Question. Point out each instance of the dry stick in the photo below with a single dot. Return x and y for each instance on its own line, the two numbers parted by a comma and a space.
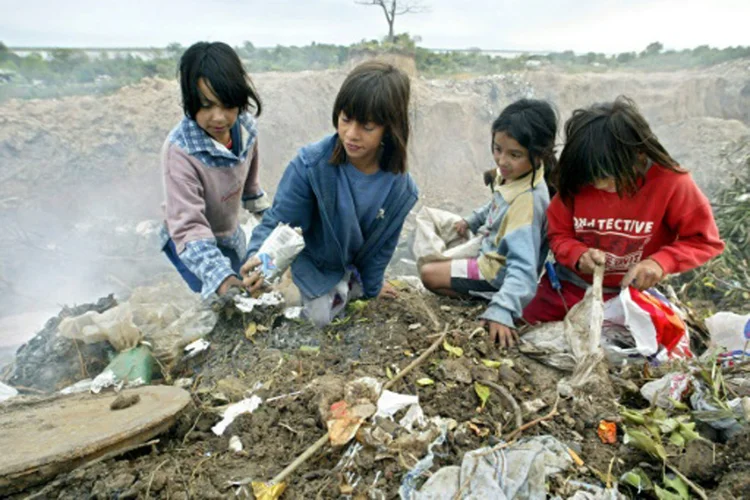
549, 416
324, 439
429, 312
506, 393
422, 357
84, 373
697, 489
151, 480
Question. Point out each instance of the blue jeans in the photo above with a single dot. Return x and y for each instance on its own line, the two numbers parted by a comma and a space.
191, 279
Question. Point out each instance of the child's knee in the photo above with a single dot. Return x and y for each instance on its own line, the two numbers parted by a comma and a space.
427, 275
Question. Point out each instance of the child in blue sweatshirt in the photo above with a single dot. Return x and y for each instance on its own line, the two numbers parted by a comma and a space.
513, 223
349, 193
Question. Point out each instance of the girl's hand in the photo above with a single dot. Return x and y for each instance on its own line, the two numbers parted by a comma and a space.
252, 278
388, 291
643, 275
461, 227
227, 284
589, 260
501, 334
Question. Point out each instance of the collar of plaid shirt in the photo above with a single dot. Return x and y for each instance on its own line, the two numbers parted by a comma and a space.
196, 142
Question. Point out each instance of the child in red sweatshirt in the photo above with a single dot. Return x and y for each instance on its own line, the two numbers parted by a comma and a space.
623, 202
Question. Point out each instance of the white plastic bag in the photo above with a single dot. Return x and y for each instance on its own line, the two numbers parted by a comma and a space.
115, 325
730, 331
637, 326
436, 238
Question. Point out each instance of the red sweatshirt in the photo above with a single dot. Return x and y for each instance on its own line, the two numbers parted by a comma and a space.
668, 220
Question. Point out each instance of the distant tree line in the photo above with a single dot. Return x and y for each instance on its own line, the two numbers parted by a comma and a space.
73, 71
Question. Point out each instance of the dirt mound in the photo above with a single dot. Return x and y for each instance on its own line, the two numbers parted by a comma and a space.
297, 370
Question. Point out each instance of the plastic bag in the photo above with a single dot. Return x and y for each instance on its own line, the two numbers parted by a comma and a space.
656, 331
7, 392
436, 238
638, 326
130, 368
731, 332
115, 325
279, 250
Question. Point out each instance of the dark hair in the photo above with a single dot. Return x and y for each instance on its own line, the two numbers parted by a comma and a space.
377, 92
218, 64
532, 123
610, 140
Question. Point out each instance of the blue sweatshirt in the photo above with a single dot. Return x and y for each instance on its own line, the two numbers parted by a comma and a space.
314, 196
514, 248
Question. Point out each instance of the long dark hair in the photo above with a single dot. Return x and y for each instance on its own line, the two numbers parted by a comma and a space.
377, 92
610, 140
221, 68
532, 123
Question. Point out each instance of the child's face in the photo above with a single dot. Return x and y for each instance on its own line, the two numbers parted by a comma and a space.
361, 140
511, 158
213, 117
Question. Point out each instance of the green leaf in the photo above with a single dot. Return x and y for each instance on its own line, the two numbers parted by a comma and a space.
634, 416
688, 432
455, 351
491, 363
388, 372
678, 405
310, 348
425, 381
483, 392
357, 305
678, 485
663, 494
645, 442
637, 478
677, 439
668, 425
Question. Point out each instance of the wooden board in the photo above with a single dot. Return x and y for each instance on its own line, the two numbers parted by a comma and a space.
42, 438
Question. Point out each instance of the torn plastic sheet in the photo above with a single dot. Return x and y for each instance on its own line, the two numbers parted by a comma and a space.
247, 405
391, 403
247, 304
292, 312
518, 471
407, 491
194, 348
7, 392
80, 386
235, 444
668, 389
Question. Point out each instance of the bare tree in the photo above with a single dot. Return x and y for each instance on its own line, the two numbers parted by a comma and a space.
395, 8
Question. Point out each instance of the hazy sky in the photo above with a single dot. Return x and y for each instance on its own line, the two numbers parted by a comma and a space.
581, 25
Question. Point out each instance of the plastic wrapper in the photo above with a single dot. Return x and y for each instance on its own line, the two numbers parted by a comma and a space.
730, 332
436, 238
279, 250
